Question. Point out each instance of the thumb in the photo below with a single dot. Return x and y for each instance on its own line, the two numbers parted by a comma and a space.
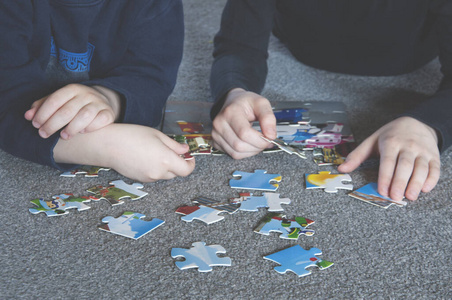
267, 120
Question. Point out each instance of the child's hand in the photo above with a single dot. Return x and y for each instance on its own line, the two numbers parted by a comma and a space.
232, 129
78, 107
138, 152
409, 158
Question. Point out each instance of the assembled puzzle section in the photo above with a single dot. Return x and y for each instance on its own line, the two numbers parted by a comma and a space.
249, 202
297, 260
259, 180
327, 181
116, 191
87, 171
206, 210
369, 194
59, 204
314, 125
130, 224
200, 256
290, 229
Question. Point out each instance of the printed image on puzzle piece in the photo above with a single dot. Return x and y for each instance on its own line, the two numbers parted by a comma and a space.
327, 157
327, 181
190, 127
206, 210
259, 180
59, 204
369, 194
289, 228
130, 225
88, 171
248, 202
116, 191
297, 260
200, 256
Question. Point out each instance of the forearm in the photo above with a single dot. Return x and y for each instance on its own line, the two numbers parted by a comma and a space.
94, 148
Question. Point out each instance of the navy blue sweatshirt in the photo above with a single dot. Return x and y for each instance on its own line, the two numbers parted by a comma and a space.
374, 37
131, 47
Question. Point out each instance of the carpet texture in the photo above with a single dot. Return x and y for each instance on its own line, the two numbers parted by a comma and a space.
398, 253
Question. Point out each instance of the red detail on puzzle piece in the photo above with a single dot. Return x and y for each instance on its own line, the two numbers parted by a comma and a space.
313, 259
186, 210
245, 194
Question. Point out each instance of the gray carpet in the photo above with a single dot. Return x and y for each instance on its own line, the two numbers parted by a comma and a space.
398, 253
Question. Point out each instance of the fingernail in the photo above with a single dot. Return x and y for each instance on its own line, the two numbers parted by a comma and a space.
64, 135
36, 124
43, 134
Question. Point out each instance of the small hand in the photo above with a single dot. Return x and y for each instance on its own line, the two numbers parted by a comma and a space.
138, 152
77, 107
232, 127
409, 158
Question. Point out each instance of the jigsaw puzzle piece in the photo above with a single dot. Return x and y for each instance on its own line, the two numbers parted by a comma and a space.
329, 182
206, 210
272, 201
289, 228
117, 191
59, 204
88, 171
297, 260
130, 225
259, 180
200, 256
369, 193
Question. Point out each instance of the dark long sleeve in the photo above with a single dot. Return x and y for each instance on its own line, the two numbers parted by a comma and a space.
241, 48
437, 111
135, 48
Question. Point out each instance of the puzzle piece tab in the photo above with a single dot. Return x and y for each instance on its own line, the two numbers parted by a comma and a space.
369, 193
297, 260
207, 210
60, 204
259, 180
329, 182
272, 201
88, 171
200, 256
117, 191
130, 225
289, 228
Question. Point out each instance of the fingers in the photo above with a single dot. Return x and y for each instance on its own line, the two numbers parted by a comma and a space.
174, 163
30, 114
79, 108
365, 150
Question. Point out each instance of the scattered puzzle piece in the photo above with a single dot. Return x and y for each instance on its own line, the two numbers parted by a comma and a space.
88, 171
285, 147
329, 182
60, 204
117, 190
369, 194
207, 210
259, 180
297, 260
130, 225
289, 229
272, 201
200, 256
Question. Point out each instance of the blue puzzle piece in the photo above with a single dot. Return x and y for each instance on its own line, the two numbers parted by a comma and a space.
297, 259
130, 225
59, 204
200, 256
272, 201
289, 229
259, 180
